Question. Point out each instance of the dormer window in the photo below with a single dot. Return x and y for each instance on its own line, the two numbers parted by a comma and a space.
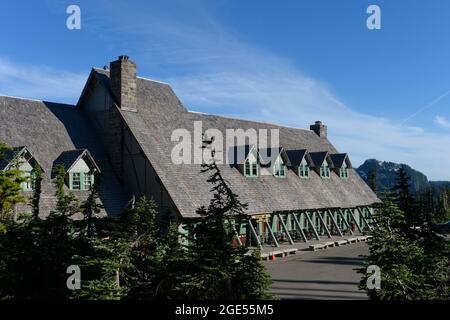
81, 180
341, 164
343, 172
75, 181
21, 159
28, 185
279, 168
299, 162
80, 168
303, 171
325, 170
251, 168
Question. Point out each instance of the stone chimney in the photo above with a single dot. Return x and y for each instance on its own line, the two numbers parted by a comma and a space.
319, 128
123, 83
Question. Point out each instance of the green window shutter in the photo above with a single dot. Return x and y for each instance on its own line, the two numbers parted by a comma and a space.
82, 181
255, 169
247, 168
70, 181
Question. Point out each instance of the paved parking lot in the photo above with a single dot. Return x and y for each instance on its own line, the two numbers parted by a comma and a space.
327, 274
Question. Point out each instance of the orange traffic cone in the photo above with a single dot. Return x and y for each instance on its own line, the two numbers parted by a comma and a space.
273, 257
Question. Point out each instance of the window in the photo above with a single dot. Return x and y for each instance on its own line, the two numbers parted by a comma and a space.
279, 169
303, 171
75, 181
81, 181
343, 172
325, 170
28, 185
251, 169
88, 181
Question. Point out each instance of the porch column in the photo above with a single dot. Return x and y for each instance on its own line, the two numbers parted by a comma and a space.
361, 213
283, 225
354, 219
236, 233
272, 235
253, 232
345, 220
323, 223
300, 227
312, 225
335, 222
369, 210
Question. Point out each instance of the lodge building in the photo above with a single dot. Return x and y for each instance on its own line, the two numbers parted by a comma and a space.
120, 131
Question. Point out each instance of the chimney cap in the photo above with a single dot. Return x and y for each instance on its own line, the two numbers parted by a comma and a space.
124, 57
318, 122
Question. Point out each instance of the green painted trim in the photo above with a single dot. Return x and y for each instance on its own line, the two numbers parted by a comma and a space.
303, 171
251, 175
82, 181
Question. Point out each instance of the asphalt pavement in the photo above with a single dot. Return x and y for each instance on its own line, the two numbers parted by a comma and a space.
327, 274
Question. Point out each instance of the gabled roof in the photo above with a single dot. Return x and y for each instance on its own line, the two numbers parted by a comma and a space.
239, 154
296, 156
339, 158
14, 153
268, 156
48, 129
8, 156
318, 158
69, 158
160, 112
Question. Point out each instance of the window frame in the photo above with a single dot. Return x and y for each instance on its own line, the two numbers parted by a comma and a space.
72, 180
88, 187
28, 185
253, 169
303, 171
343, 172
325, 170
278, 165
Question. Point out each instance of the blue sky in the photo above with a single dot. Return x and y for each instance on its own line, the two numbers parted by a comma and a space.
384, 94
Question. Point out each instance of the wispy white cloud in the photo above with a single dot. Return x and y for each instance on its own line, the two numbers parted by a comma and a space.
213, 70
39, 82
442, 121
219, 73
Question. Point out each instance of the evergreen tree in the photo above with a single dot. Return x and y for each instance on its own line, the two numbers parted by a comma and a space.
91, 208
67, 205
218, 263
442, 213
37, 189
146, 249
10, 189
404, 199
413, 266
372, 180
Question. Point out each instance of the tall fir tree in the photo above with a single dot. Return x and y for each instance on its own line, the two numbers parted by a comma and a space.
10, 187
404, 199
372, 180
92, 207
218, 262
37, 189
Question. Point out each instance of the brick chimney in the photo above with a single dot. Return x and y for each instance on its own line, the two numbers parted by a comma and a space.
319, 128
123, 83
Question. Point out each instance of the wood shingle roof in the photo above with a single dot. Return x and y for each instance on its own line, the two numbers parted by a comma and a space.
160, 112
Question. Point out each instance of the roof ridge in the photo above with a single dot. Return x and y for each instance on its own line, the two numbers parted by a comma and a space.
35, 100
247, 120
20, 98
138, 77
